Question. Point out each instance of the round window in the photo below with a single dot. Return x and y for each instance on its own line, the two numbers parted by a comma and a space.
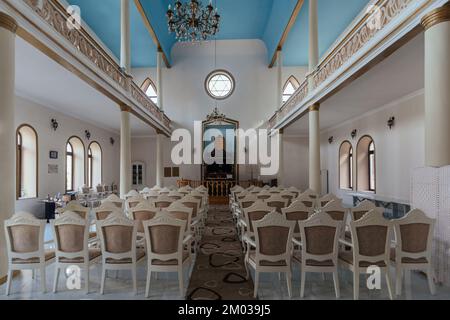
219, 84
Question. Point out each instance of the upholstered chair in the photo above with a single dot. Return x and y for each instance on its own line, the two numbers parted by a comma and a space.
322, 202
297, 212
370, 247
132, 202
71, 233
181, 212
414, 239
105, 209
75, 206
164, 241
337, 212
254, 213
163, 201
119, 203
290, 196
142, 212
25, 247
294, 191
277, 202
319, 248
175, 195
131, 194
164, 191
306, 200
263, 194
273, 245
359, 211
118, 238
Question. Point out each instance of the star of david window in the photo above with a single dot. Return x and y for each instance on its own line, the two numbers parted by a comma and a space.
219, 84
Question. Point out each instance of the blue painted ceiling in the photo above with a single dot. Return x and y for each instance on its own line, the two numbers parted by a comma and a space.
241, 19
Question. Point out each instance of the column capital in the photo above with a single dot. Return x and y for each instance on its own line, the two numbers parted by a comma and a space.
8, 22
436, 16
314, 107
124, 108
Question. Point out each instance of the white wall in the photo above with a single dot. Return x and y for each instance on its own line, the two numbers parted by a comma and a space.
186, 101
296, 162
39, 117
398, 151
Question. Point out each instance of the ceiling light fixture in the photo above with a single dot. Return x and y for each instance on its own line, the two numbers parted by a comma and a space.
191, 22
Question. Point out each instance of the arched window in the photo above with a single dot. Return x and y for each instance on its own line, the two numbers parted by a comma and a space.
26, 162
150, 90
94, 165
366, 164
289, 88
75, 175
346, 166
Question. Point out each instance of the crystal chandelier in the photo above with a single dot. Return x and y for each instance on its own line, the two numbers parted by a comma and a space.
191, 22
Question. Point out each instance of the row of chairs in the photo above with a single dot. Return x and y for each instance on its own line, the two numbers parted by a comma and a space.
121, 240
322, 232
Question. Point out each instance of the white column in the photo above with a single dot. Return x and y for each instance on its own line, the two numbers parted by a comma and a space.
159, 160
279, 79
125, 152
125, 44
314, 121
8, 29
281, 159
314, 149
159, 80
437, 85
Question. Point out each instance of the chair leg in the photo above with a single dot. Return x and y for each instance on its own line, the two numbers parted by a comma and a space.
86, 280
302, 283
102, 286
356, 284
181, 281
133, 273
289, 283
336, 284
430, 276
147, 285
43, 280
55, 282
398, 280
9, 281
255, 293
388, 282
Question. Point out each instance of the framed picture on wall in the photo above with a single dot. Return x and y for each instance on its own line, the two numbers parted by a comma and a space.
53, 154
175, 172
167, 172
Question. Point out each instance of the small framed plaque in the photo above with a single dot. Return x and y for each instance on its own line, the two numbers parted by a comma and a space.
53, 154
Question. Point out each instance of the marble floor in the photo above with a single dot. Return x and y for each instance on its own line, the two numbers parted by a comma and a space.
166, 287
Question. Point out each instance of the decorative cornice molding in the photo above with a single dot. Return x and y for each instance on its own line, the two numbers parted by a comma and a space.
7, 22
436, 16
124, 108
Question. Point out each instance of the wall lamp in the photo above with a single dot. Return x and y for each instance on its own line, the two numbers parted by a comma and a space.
55, 124
391, 122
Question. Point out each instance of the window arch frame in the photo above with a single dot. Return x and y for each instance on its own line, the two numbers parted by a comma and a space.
145, 85
368, 173
350, 160
295, 83
19, 161
73, 163
90, 167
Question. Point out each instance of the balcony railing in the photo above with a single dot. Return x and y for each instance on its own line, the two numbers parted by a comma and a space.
364, 29
56, 17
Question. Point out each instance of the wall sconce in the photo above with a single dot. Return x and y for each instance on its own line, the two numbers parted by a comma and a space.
112, 140
354, 133
55, 124
330, 140
391, 122
88, 134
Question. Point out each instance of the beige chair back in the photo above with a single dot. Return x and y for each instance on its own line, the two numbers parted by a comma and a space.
143, 212
277, 202
359, 211
297, 212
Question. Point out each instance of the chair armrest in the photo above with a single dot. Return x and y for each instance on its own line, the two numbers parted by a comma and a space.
249, 241
242, 222
188, 238
346, 243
